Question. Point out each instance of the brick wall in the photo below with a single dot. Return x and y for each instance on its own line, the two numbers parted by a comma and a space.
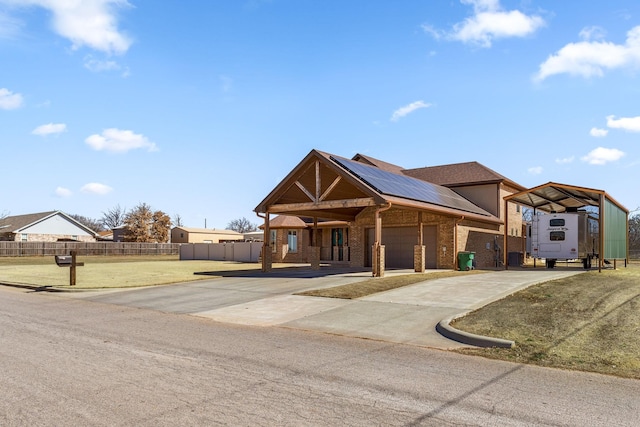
32, 237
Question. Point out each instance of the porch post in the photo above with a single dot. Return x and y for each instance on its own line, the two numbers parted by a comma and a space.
419, 249
267, 255
378, 249
505, 241
314, 250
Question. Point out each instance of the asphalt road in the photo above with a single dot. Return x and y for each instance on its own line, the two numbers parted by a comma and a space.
77, 362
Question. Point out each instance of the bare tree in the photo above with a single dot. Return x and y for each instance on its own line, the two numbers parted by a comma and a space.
4, 214
113, 218
93, 224
177, 220
634, 232
242, 225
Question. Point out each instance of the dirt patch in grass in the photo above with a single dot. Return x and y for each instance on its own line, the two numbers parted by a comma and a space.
381, 284
588, 322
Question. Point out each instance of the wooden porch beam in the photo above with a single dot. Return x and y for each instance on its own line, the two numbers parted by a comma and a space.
330, 189
305, 191
329, 204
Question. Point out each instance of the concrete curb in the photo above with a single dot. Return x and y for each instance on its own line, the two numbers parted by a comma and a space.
445, 329
34, 288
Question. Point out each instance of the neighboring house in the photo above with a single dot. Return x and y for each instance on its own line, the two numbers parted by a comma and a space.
105, 236
254, 236
358, 205
203, 235
50, 226
119, 233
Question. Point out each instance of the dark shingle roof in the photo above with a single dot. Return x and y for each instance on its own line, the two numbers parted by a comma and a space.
17, 222
458, 174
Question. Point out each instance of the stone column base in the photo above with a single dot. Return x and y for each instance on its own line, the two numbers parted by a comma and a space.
419, 258
378, 261
267, 259
314, 257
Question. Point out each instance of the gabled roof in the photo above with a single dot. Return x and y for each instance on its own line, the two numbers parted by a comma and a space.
286, 221
333, 187
19, 223
460, 174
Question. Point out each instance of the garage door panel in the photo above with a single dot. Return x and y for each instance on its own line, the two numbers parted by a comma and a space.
399, 243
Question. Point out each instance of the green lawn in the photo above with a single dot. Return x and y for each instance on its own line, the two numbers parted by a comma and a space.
111, 272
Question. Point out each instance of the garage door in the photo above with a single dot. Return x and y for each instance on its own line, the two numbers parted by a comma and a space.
430, 239
399, 243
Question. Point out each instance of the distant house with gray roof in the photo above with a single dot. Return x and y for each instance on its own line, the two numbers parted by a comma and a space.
49, 226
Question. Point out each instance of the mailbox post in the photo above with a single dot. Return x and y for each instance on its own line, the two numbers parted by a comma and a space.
69, 261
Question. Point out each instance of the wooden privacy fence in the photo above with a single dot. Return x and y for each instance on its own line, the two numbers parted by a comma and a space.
8, 249
238, 251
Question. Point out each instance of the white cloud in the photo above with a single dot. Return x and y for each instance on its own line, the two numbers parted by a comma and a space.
91, 23
536, 170
598, 133
592, 33
119, 141
9, 27
96, 188
601, 156
631, 124
592, 58
49, 129
408, 109
9, 100
565, 160
63, 192
488, 23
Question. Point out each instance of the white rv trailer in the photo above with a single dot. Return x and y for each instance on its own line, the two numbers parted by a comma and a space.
565, 236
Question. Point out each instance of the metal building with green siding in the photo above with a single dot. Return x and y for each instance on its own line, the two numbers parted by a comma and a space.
613, 217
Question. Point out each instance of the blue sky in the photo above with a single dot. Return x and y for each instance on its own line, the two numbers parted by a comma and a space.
199, 109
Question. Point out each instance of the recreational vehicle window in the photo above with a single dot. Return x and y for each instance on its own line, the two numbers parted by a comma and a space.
556, 236
556, 222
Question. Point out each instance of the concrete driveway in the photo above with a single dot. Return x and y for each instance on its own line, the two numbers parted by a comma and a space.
405, 315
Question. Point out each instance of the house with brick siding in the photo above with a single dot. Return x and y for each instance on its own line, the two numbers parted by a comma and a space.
365, 212
49, 226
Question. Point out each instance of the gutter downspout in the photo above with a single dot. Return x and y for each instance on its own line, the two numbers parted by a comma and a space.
266, 245
379, 210
455, 241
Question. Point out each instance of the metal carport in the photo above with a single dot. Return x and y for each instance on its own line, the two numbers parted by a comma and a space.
612, 216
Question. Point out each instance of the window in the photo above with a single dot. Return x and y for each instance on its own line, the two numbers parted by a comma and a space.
556, 236
272, 240
556, 222
24, 236
518, 208
292, 240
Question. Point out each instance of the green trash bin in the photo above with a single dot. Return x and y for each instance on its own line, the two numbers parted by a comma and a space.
465, 260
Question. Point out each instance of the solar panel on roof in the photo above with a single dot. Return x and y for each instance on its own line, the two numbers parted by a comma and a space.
408, 188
